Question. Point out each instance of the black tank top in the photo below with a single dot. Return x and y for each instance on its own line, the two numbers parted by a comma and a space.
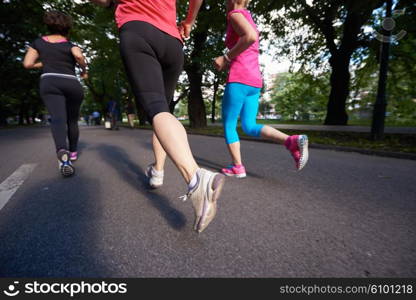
55, 57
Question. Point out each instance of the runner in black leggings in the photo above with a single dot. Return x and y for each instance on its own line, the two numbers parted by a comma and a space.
159, 55
59, 87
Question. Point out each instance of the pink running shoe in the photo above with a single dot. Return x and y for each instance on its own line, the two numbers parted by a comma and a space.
298, 147
235, 171
73, 156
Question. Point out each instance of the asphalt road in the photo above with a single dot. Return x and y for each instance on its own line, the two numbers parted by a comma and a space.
344, 215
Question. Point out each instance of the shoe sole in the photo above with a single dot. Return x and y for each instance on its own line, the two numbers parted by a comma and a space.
235, 175
304, 152
217, 185
155, 186
242, 175
66, 169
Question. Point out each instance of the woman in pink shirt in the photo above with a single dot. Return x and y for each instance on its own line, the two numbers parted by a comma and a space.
242, 92
151, 47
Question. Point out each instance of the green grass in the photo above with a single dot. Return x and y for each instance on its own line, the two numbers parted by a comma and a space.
403, 143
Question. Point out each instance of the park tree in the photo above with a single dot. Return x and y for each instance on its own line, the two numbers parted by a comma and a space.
207, 42
18, 86
335, 32
337, 35
401, 91
300, 96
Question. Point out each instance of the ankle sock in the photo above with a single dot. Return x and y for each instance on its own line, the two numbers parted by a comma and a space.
156, 172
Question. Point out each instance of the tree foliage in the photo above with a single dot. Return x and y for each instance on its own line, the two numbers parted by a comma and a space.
329, 41
300, 96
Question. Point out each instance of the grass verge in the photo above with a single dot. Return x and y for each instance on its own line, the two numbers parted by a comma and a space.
400, 143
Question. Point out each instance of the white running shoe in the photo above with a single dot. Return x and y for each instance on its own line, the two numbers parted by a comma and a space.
155, 176
204, 197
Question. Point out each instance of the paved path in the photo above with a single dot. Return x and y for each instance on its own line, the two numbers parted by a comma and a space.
345, 215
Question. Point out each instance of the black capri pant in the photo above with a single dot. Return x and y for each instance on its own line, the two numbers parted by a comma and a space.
153, 60
63, 98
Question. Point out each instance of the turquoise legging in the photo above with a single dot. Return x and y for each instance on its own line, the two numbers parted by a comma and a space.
240, 99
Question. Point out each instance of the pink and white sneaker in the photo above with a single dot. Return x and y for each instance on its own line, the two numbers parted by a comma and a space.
298, 147
234, 171
73, 156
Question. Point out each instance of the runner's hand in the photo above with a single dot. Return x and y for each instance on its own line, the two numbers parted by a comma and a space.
185, 29
220, 63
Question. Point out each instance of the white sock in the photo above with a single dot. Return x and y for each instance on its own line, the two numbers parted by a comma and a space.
156, 172
193, 182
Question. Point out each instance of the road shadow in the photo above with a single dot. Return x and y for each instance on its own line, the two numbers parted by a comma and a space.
48, 231
133, 174
146, 143
82, 146
13, 134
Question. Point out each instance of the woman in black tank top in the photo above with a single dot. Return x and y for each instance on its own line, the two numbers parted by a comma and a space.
59, 87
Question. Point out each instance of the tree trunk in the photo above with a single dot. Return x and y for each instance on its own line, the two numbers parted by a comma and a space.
3, 119
22, 113
196, 106
358, 13
379, 112
174, 102
27, 118
340, 86
172, 105
193, 68
4, 114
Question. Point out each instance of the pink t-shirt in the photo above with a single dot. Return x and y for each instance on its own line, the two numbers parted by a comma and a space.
245, 68
160, 13
63, 40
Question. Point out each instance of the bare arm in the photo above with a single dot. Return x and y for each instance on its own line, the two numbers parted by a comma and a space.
31, 59
80, 58
247, 36
185, 26
246, 33
103, 3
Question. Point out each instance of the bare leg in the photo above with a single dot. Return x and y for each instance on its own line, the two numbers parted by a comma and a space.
159, 153
273, 134
234, 149
172, 136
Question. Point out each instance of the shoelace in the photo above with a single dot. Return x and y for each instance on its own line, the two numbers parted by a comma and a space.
189, 193
186, 196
